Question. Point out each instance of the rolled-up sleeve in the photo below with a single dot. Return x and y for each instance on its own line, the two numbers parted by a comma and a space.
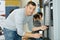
19, 24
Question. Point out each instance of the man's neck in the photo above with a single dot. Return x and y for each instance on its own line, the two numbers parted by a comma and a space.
26, 12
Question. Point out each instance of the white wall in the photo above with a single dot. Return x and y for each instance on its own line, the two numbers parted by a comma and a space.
56, 15
24, 2
2, 7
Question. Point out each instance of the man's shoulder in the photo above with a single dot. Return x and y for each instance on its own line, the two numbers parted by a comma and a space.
19, 9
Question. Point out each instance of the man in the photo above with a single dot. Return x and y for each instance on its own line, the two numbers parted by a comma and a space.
14, 24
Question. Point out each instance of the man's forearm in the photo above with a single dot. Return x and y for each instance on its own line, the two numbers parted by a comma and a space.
36, 28
39, 28
28, 34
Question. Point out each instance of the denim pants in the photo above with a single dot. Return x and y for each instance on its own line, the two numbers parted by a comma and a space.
39, 39
11, 35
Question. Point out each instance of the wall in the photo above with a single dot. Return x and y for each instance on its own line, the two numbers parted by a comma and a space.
11, 5
24, 2
12, 2
56, 15
2, 7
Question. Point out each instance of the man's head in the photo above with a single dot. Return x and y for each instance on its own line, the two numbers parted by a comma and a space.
30, 8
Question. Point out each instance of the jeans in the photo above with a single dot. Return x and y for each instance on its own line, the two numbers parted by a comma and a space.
39, 39
11, 35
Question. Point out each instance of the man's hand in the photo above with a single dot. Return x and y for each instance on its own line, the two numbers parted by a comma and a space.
43, 28
39, 28
36, 35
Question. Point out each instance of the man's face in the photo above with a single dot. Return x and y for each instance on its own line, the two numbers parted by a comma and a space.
30, 9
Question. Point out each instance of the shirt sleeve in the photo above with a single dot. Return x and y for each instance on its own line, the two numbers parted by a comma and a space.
19, 23
30, 23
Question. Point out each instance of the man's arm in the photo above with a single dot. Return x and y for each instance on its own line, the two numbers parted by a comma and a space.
39, 28
30, 35
32, 28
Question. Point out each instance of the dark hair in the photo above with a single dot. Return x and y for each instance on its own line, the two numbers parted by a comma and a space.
40, 13
36, 16
32, 3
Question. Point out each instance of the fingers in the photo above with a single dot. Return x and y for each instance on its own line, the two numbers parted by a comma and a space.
36, 35
44, 27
